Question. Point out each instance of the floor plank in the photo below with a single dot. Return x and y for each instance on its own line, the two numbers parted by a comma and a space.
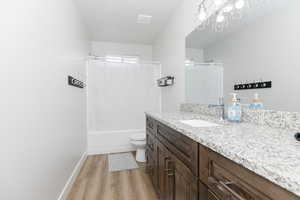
95, 182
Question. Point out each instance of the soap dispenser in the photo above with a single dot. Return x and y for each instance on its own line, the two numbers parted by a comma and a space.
235, 109
257, 103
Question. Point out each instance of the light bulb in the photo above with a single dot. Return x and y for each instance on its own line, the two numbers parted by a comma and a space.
239, 4
228, 8
220, 18
202, 15
219, 2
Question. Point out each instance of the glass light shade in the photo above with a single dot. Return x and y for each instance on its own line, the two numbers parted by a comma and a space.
228, 8
202, 15
220, 18
239, 4
219, 2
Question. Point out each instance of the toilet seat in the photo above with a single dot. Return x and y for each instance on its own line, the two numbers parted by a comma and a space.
138, 137
139, 142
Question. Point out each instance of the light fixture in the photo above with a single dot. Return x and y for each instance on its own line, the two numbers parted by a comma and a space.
219, 2
212, 13
228, 8
202, 13
144, 19
220, 18
239, 4
202, 16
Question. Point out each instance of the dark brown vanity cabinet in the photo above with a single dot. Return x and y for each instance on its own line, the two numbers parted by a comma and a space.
174, 157
182, 169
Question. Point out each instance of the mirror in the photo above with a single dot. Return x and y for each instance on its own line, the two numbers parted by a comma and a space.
262, 44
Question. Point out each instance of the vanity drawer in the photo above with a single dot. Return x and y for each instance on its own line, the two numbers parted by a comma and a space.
230, 181
183, 147
151, 125
227, 185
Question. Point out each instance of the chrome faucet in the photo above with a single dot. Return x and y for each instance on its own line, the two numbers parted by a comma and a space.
221, 105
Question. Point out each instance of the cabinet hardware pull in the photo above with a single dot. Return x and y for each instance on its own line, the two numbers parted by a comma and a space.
213, 183
221, 185
171, 174
168, 161
169, 171
225, 185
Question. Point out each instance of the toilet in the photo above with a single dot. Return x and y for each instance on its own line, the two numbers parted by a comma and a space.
139, 142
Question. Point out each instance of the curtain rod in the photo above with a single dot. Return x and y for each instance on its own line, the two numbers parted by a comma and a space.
103, 59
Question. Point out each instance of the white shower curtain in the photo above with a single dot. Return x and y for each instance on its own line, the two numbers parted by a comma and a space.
204, 83
120, 93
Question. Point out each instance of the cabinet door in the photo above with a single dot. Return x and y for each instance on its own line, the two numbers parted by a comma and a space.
170, 179
152, 157
186, 184
151, 167
176, 181
149, 162
165, 170
203, 191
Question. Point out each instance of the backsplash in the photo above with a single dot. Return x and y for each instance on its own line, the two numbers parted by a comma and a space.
271, 118
199, 109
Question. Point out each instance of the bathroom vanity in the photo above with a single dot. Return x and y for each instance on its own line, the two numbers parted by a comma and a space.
258, 159
219, 163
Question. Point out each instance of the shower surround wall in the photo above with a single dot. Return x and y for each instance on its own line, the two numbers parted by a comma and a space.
118, 96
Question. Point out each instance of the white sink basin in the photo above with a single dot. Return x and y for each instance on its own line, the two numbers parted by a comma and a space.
199, 123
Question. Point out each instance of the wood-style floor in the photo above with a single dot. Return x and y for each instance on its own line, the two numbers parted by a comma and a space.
95, 182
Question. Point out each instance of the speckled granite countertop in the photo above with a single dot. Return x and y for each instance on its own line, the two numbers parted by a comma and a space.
271, 153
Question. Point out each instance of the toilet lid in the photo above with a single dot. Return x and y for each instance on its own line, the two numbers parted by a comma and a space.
138, 137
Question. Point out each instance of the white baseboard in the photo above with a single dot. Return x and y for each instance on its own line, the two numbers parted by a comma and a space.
66, 190
105, 142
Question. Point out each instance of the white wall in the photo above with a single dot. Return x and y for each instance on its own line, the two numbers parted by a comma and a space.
43, 120
196, 55
111, 48
268, 49
169, 48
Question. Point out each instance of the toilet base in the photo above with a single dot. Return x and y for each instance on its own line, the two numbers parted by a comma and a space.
140, 155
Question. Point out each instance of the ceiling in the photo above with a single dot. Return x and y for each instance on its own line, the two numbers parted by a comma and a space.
115, 20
